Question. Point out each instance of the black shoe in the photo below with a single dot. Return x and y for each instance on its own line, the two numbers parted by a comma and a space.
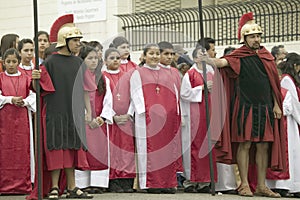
114, 186
128, 190
168, 190
98, 190
126, 184
154, 190
282, 192
190, 189
205, 189
229, 192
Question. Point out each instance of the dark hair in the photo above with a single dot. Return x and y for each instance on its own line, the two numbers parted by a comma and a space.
85, 50
185, 59
118, 41
24, 41
228, 50
42, 33
207, 41
195, 52
275, 50
8, 41
109, 51
148, 46
95, 44
50, 50
11, 51
83, 42
287, 66
164, 45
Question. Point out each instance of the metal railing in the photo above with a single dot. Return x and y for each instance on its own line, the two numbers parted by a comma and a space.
279, 20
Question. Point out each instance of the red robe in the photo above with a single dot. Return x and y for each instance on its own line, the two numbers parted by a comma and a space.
174, 78
97, 154
196, 156
14, 138
156, 126
122, 151
226, 150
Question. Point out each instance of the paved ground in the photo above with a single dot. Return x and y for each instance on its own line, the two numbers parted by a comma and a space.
145, 196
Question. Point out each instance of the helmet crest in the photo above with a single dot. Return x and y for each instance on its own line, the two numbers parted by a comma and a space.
65, 20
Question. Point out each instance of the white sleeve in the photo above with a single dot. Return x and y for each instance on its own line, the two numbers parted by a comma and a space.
131, 109
187, 93
107, 111
291, 106
288, 84
210, 69
290, 103
5, 99
136, 92
30, 101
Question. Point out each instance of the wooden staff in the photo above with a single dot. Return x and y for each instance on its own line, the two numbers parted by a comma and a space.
211, 167
38, 110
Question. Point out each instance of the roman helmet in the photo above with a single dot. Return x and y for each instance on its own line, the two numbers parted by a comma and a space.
62, 29
247, 26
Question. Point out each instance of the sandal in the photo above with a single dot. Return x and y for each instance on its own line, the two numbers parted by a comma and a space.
53, 194
266, 192
244, 190
76, 193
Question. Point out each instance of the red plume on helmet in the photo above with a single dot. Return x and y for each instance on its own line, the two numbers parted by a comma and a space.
243, 20
62, 20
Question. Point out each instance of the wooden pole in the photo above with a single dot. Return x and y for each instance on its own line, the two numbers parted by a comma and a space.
38, 110
211, 167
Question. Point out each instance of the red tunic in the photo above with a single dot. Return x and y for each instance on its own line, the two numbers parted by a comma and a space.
200, 169
122, 152
14, 138
97, 154
174, 78
161, 129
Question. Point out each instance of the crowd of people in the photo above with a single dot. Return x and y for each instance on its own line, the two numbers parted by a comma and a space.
111, 125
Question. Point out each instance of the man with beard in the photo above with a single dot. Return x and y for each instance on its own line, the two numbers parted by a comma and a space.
253, 129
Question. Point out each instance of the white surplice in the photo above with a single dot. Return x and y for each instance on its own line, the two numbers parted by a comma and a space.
291, 109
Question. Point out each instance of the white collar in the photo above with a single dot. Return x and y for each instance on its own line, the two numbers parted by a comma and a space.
125, 61
16, 74
112, 71
164, 66
31, 67
152, 68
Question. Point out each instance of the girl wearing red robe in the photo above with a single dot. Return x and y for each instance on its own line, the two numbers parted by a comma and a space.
16, 101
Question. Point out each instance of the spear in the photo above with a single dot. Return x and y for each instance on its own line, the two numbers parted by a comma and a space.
38, 112
211, 167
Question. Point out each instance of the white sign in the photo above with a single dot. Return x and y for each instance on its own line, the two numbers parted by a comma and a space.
83, 10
